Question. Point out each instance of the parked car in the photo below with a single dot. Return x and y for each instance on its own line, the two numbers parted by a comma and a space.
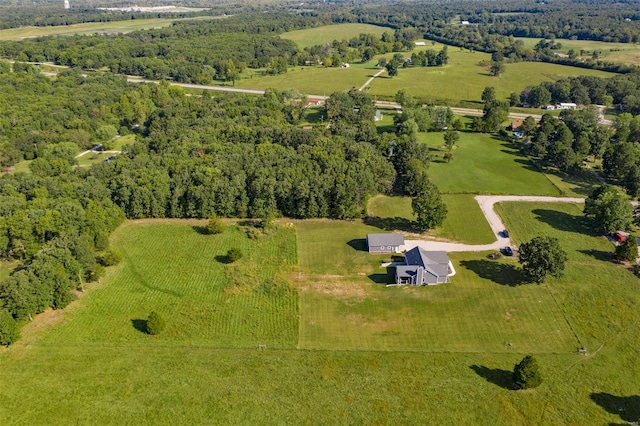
619, 237
508, 251
505, 233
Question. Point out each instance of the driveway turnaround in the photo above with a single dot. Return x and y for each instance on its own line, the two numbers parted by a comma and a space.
486, 203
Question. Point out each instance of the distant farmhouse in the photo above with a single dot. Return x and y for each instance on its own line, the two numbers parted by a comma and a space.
423, 267
385, 243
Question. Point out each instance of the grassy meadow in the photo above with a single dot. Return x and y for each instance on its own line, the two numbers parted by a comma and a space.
326, 34
415, 355
90, 28
628, 53
485, 164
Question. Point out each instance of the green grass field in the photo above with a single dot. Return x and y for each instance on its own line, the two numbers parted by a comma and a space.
628, 53
464, 223
89, 365
484, 164
192, 291
91, 28
329, 33
464, 79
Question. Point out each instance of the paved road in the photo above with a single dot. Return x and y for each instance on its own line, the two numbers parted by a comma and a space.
487, 203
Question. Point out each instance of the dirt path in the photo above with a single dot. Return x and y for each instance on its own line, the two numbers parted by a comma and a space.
371, 79
487, 203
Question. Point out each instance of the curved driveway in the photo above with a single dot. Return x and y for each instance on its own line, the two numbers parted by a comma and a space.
486, 203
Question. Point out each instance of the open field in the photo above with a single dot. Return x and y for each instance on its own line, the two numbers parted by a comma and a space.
628, 53
311, 80
193, 291
65, 370
464, 79
465, 222
91, 28
485, 164
327, 34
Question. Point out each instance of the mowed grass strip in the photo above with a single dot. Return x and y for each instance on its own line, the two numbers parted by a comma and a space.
464, 78
600, 298
327, 34
176, 270
345, 305
486, 165
464, 222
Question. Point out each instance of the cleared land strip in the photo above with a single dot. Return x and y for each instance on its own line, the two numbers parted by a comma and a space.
487, 203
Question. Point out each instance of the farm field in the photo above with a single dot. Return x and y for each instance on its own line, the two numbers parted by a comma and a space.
464, 79
464, 223
485, 164
91, 28
628, 53
65, 371
196, 292
326, 34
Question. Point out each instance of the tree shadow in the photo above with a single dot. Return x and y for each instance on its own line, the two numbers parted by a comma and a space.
502, 378
605, 256
627, 407
499, 273
140, 325
391, 223
358, 244
566, 222
202, 230
583, 180
387, 278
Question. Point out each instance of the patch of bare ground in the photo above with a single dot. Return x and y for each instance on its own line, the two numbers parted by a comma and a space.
334, 285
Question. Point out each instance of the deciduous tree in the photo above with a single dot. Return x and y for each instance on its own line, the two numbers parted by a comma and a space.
542, 256
609, 209
428, 207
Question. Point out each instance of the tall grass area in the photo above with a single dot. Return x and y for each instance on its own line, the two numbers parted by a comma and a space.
326, 34
486, 165
464, 223
176, 270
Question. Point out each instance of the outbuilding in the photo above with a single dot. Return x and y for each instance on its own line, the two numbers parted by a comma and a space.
385, 243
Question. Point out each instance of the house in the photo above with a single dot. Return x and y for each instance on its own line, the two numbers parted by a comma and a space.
423, 267
385, 243
566, 105
378, 116
420, 43
516, 126
313, 103
550, 107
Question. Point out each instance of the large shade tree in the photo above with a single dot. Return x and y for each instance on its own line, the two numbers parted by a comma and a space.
541, 257
609, 209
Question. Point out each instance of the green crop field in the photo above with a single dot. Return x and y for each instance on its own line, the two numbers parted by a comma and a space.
89, 365
485, 164
326, 34
628, 53
464, 223
90, 28
464, 78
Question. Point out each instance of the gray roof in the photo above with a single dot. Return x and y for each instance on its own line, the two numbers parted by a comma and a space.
435, 263
385, 239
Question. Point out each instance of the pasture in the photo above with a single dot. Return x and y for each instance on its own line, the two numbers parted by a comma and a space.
484, 164
628, 53
326, 34
88, 364
466, 76
89, 28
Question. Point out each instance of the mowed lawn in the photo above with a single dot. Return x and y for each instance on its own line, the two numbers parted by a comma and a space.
327, 34
344, 303
464, 78
484, 164
464, 222
179, 272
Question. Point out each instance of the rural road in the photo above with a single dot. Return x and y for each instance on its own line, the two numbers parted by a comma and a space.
487, 203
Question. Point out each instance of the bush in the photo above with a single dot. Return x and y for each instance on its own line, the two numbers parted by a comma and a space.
155, 323
526, 374
234, 254
628, 249
110, 257
215, 226
9, 330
